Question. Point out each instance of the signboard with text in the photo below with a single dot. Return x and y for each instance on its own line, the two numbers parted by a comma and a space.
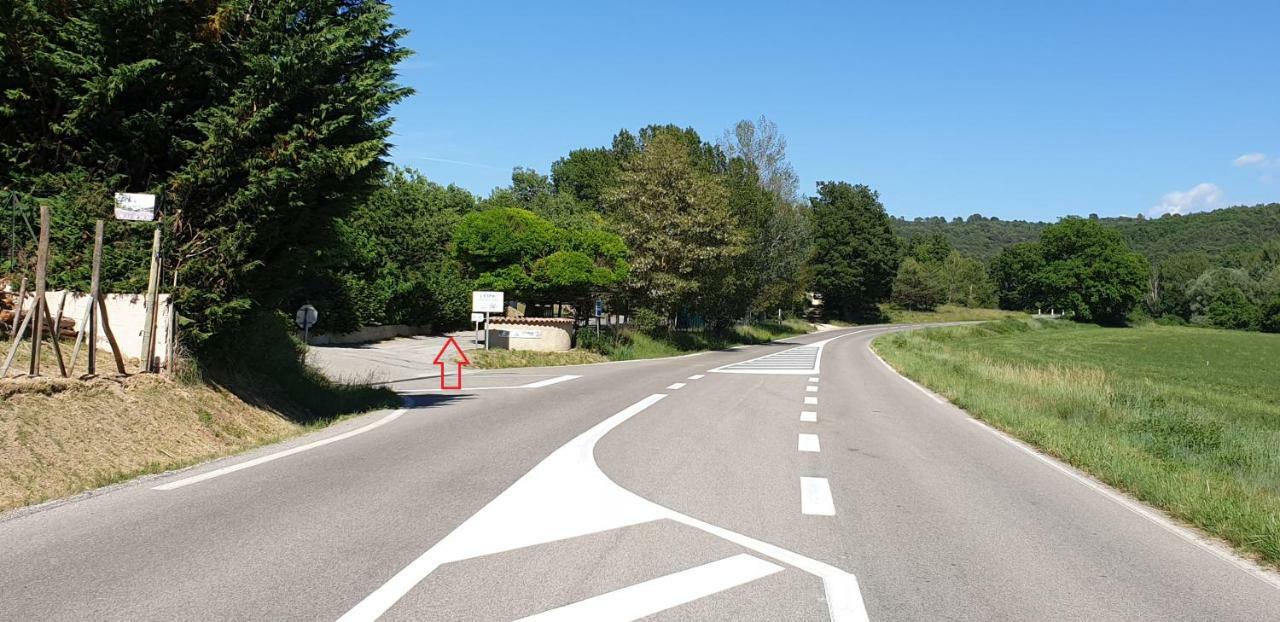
486, 302
135, 206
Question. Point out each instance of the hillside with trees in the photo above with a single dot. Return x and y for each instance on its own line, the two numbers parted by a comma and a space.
1219, 234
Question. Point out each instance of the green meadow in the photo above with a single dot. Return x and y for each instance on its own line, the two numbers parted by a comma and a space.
1185, 419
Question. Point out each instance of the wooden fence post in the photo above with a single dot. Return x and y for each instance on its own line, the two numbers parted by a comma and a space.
153, 296
42, 266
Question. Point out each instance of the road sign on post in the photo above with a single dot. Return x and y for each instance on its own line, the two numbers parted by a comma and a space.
486, 303
135, 206
306, 318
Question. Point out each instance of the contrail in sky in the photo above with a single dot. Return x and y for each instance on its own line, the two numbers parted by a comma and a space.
459, 162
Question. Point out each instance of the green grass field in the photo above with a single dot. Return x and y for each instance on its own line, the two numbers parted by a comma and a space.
1185, 419
947, 313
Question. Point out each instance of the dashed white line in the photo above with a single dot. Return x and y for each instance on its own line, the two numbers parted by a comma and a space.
645, 599
194, 479
815, 497
809, 443
548, 382
813, 380
811, 389
810, 400
697, 377
809, 416
676, 385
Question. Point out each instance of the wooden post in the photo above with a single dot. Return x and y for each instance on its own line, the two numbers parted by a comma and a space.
94, 294
80, 334
53, 334
40, 309
17, 309
13, 348
111, 338
153, 296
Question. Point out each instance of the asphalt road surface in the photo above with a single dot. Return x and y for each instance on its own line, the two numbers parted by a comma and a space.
802, 481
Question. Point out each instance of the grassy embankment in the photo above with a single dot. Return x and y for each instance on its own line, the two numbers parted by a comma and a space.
1185, 419
947, 313
59, 436
628, 345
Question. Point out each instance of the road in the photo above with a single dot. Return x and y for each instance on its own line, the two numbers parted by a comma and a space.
801, 481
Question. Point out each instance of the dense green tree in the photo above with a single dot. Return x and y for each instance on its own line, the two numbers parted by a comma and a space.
391, 264
675, 215
964, 281
1224, 297
261, 123
531, 259
585, 174
915, 287
855, 253
929, 248
1090, 272
1172, 276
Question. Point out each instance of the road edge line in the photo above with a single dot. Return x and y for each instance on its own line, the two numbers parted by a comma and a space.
1152, 514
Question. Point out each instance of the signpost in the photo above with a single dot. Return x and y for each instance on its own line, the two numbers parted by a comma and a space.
135, 206
306, 318
486, 303
476, 318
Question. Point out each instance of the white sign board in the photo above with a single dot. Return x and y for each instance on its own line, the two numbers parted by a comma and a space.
477, 317
134, 206
486, 302
523, 334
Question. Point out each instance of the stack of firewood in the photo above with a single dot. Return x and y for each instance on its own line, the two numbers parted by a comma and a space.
8, 308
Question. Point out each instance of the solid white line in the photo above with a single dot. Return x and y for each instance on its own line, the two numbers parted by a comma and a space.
645, 599
809, 443
811, 389
808, 416
811, 400
676, 385
813, 380
815, 497
1137, 507
548, 382
697, 377
278, 455
532, 385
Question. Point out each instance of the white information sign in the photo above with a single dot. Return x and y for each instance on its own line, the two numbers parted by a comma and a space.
523, 334
477, 317
486, 302
135, 206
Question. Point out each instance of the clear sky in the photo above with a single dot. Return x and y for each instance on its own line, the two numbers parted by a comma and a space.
1017, 109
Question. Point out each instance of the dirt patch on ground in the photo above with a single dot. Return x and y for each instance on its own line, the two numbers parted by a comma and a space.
61, 436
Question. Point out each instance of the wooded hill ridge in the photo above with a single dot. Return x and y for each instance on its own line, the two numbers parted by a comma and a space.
1218, 234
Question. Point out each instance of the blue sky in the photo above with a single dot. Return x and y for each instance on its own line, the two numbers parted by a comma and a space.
1015, 109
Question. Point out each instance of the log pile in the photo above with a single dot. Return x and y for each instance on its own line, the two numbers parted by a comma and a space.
8, 305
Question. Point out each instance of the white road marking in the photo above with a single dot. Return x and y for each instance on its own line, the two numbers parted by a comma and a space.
808, 416
645, 599
815, 497
809, 443
548, 382
813, 380
194, 479
811, 401
811, 389
1155, 516
567, 495
676, 386
532, 385
697, 377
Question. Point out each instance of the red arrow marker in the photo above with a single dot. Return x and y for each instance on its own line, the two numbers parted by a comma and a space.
460, 362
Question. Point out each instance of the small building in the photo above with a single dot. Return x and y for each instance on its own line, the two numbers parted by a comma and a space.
540, 334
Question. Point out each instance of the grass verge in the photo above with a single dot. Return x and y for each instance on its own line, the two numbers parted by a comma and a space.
1185, 419
947, 313
59, 437
502, 359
